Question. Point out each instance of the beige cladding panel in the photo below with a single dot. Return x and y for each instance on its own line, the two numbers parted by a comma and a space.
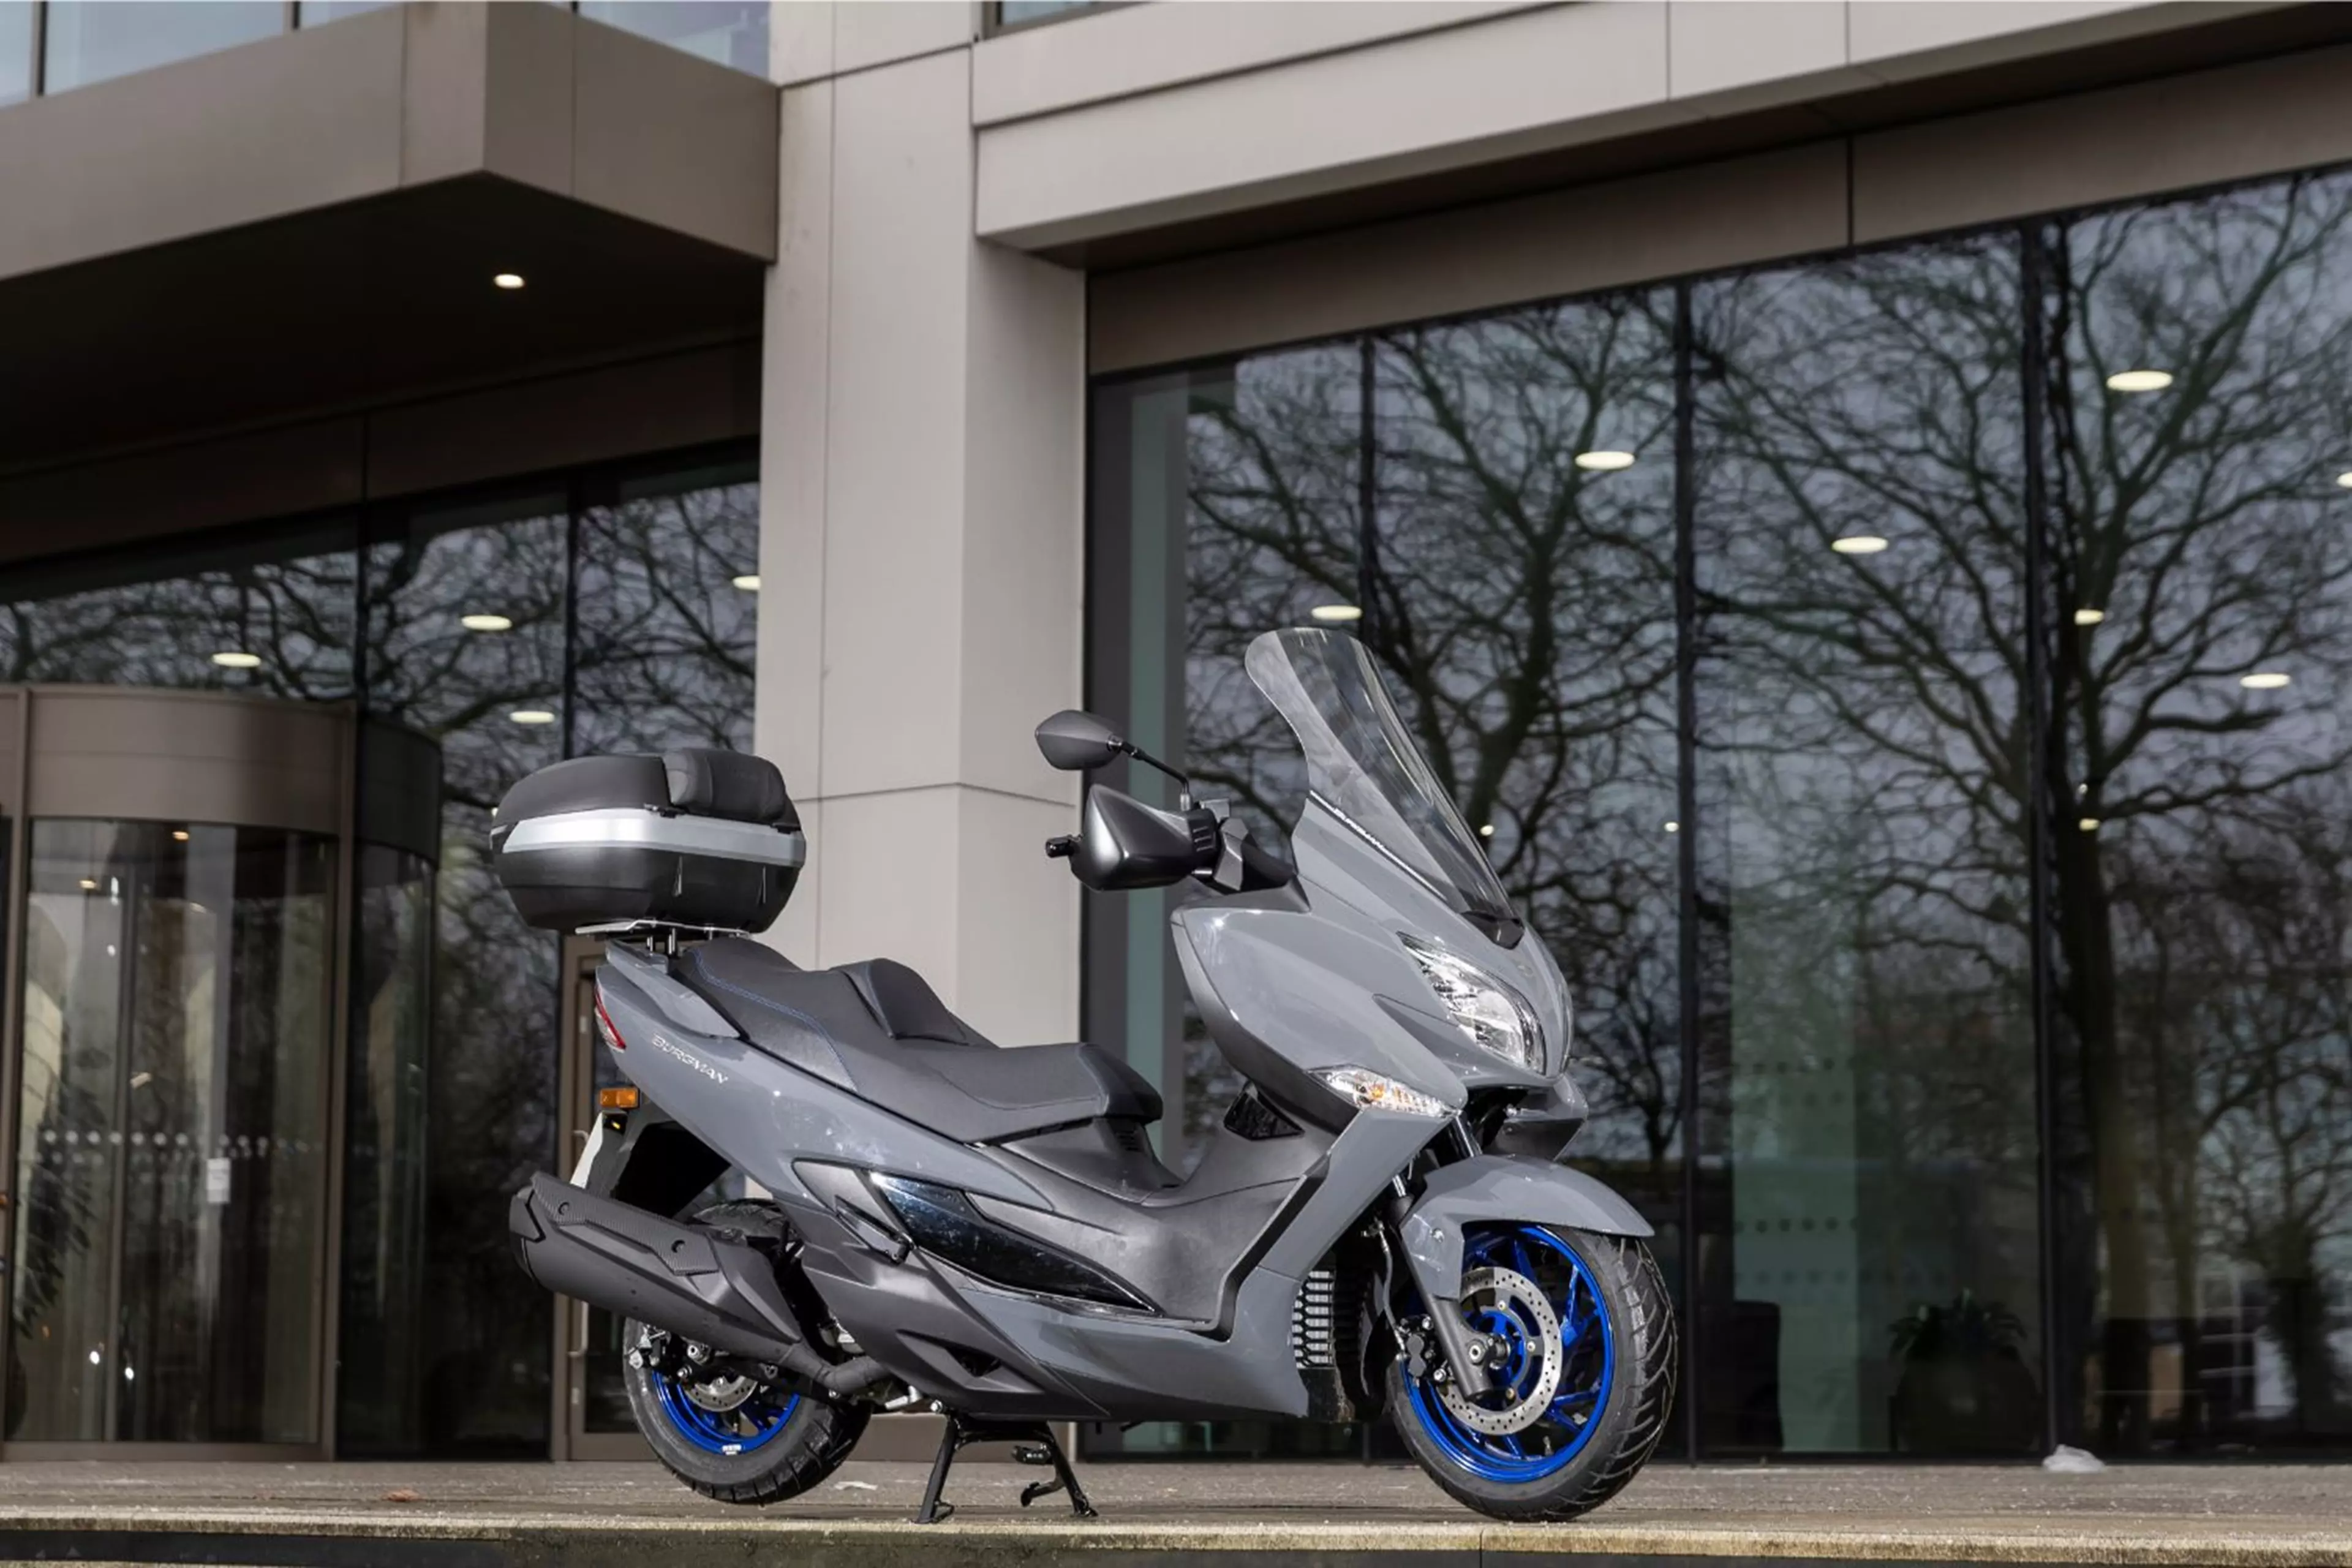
1513, 85
657, 134
2177, 133
381, 102
143, 754
229, 138
2237, 122
1742, 210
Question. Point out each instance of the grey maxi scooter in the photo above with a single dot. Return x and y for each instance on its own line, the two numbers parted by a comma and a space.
1379, 1224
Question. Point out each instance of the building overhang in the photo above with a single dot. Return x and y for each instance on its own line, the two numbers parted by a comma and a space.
314, 222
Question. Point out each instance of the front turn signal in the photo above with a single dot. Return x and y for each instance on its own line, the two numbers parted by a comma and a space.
1369, 1091
624, 1098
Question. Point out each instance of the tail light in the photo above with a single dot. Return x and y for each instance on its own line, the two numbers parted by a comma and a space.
604, 1027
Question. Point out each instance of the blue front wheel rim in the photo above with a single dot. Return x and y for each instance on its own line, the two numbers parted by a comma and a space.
1588, 1375
753, 1423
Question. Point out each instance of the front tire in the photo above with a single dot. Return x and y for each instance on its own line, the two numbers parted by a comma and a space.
1612, 1381
730, 1438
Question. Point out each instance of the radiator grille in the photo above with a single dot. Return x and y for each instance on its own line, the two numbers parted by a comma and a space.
1311, 1337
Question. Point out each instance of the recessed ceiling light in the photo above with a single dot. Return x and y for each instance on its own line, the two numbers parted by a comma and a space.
1858, 544
749, 582
1604, 462
1673, 827
531, 716
2089, 824
1488, 831
89, 884
508, 279
2345, 479
2140, 381
2089, 618
180, 834
235, 660
2265, 680
486, 623
1336, 615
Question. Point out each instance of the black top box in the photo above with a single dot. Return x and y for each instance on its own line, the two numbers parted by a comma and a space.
701, 839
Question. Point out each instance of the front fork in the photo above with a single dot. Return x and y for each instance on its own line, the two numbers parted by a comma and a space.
1436, 1337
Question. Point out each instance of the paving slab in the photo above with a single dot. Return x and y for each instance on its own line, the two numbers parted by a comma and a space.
1224, 1515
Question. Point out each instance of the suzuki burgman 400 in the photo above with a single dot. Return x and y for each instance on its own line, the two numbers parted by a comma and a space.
1379, 1224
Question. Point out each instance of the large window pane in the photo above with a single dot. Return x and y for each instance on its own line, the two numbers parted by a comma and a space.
668, 613
1870, 1263
465, 644
1238, 488
2203, 576
92, 40
1522, 606
383, 1346
1241, 489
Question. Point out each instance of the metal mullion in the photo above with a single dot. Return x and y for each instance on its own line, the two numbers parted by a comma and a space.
1687, 957
15, 921
2034, 365
40, 82
326, 1316
1367, 387
125, 1026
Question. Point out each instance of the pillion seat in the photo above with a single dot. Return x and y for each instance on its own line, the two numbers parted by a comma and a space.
878, 1031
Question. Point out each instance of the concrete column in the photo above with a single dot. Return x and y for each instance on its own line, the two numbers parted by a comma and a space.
921, 552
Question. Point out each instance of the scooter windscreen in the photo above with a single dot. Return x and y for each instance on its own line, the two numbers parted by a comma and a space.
1363, 767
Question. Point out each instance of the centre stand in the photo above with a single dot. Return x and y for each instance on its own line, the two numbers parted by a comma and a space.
1040, 1447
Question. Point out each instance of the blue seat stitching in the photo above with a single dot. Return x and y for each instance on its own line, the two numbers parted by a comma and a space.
831, 1045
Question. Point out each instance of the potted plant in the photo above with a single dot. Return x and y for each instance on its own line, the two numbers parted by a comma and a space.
1965, 1387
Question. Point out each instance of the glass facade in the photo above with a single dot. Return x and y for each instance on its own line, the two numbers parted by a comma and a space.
86, 41
1022, 12
727, 32
17, 22
1907, 690
174, 1132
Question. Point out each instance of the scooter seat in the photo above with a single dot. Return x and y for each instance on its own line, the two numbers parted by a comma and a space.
878, 1031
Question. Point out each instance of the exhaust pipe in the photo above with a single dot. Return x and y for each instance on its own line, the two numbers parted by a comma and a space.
719, 1294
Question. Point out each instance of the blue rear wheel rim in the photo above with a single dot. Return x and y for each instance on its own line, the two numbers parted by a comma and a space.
751, 1425
1588, 1375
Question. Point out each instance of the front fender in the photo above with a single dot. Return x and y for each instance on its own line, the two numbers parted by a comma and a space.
1502, 1187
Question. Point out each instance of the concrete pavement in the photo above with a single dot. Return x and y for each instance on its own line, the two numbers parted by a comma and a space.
1265, 1515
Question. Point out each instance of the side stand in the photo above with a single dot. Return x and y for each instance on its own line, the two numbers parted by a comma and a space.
961, 1433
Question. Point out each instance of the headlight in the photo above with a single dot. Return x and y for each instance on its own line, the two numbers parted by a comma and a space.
1367, 1090
1495, 1018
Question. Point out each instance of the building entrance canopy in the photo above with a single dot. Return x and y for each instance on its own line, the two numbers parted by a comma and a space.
318, 222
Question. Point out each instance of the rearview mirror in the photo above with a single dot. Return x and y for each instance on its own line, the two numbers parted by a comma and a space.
1075, 741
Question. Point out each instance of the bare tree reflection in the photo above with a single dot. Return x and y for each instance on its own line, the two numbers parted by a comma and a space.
2201, 534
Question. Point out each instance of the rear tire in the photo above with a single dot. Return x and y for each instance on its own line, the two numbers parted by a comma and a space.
775, 1441
1616, 1325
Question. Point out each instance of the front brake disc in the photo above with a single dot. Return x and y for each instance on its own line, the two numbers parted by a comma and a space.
1519, 1299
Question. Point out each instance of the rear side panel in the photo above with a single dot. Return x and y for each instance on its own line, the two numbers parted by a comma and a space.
988, 1351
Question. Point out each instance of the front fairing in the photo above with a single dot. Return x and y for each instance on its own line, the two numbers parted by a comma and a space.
1338, 868
1380, 836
